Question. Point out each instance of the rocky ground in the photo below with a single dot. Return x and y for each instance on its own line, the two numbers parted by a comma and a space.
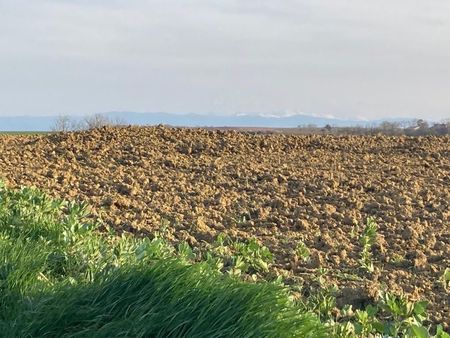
281, 189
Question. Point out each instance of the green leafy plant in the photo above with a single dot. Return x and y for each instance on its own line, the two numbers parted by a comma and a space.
321, 302
367, 239
397, 259
407, 316
440, 333
393, 316
251, 256
321, 273
302, 251
185, 252
239, 257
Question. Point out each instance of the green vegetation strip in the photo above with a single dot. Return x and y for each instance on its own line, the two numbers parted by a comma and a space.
25, 133
61, 277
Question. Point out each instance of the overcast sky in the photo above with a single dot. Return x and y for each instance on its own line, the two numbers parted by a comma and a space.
346, 58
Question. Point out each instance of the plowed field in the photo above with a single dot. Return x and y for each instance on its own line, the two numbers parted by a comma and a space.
280, 189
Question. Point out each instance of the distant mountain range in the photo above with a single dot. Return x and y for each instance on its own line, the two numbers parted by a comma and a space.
45, 123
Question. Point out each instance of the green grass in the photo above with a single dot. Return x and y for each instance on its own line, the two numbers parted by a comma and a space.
165, 299
60, 277
25, 132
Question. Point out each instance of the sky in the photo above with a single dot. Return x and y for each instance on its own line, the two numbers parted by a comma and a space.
346, 58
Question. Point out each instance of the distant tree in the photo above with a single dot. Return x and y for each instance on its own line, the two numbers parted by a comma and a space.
119, 121
404, 124
440, 128
96, 121
390, 128
62, 124
422, 124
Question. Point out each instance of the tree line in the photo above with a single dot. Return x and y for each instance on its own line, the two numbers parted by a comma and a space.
64, 123
418, 127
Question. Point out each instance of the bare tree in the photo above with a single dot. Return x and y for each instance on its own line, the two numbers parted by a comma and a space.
96, 121
390, 128
62, 124
119, 121
422, 124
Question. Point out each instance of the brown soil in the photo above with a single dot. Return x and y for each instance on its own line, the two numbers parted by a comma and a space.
279, 188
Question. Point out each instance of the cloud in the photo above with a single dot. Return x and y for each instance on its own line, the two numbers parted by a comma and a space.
345, 58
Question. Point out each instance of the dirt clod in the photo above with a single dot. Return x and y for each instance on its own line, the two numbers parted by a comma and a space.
358, 298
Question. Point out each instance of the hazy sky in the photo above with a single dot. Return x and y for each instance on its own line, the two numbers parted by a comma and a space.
346, 58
